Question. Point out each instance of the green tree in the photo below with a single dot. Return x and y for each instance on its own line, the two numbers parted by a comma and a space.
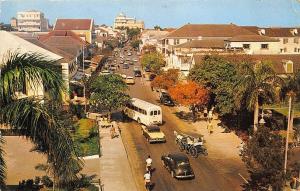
38, 122
157, 27
256, 82
263, 155
108, 93
219, 75
136, 44
133, 33
153, 60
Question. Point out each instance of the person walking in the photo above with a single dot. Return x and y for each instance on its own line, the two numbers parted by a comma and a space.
112, 131
210, 127
210, 115
205, 113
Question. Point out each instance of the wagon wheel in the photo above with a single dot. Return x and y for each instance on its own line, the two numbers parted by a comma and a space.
181, 146
193, 151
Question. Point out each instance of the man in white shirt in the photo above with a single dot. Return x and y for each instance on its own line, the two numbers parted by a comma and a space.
148, 163
147, 177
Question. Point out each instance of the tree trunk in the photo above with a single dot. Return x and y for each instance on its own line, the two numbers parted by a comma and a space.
256, 110
287, 135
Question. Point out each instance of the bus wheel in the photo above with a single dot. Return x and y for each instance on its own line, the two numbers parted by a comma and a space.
139, 121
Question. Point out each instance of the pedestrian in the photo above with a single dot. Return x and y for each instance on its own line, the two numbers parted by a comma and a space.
210, 128
210, 115
112, 132
205, 113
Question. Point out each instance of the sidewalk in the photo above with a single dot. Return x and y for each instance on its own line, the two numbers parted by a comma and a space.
219, 144
115, 171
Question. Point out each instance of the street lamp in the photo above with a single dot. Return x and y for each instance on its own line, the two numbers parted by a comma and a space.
262, 121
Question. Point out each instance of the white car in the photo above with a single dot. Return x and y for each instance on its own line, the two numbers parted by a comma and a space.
129, 80
105, 72
123, 76
129, 54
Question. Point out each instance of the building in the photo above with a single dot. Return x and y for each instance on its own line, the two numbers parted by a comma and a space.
14, 23
31, 21
153, 37
122, 21
288, 37
84, 28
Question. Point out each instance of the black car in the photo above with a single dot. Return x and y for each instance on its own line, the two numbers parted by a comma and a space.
125, 66
137, 73
147, 69
178, 165
166, 99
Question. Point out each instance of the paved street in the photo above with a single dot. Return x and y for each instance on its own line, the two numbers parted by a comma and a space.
218, 171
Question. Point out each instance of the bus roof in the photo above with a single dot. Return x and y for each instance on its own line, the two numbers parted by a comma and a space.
141, 103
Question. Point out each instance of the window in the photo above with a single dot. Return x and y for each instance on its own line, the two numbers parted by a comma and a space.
155, 112
151, 113
158, 112
281, 50
246, 46
176, 41
264, 46
296, 40
167, 41
295, 49
285, 40
298, 49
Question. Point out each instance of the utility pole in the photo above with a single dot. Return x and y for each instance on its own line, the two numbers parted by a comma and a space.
287, 134
84, 80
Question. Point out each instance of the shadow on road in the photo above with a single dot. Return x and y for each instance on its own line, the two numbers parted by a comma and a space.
188, 116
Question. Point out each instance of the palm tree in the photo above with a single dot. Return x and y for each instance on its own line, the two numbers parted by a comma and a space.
256, 82
34, 117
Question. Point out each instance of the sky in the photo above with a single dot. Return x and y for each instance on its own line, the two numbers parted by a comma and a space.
165, 13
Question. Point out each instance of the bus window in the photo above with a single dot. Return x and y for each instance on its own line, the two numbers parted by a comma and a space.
155, 112
158, 112
151, 113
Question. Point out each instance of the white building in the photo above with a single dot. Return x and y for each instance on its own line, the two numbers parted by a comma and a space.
32, 21
153, 37
122, 21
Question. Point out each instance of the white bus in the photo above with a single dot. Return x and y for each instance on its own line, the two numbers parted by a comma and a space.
144, 112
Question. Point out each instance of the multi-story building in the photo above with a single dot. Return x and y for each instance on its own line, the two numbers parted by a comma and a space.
31, 21
14, 23
288, 37
82, 27
122, 21
153, 37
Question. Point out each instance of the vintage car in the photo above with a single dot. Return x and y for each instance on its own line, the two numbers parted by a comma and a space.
129, 80
178, 165
153, 134
166, 99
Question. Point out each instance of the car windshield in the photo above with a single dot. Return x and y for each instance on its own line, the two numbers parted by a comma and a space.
153, 129
182, 163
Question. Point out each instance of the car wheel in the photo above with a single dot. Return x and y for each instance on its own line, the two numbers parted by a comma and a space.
172, 174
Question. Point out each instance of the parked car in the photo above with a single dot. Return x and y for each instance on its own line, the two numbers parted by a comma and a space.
123, 76
129, 80
147, 69
136, 68
166, 99
178, 165
131, 63
105, 72
125, 66
137, 73
151, 77
129, 54
134, 60
153, 134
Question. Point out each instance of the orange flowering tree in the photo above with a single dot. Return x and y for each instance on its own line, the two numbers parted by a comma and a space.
166, 79
189, 94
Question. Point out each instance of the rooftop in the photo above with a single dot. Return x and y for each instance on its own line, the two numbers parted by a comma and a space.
209, 30
73, 24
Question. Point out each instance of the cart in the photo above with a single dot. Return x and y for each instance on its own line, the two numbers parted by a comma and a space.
191, 145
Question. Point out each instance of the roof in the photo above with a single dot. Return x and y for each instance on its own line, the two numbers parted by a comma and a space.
281, 32
73, 24
139, 102
62, 33
179, 156
202, 44
66, 56
209, 30
252, 38
10, 42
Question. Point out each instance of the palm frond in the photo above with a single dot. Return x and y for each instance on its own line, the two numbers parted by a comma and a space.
22, 71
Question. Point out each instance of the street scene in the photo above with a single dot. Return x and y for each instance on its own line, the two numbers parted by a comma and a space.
119, 101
